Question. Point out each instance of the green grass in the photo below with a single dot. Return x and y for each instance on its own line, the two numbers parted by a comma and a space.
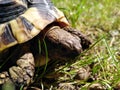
100, 20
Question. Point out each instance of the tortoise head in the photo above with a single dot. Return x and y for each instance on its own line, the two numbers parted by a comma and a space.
10, 9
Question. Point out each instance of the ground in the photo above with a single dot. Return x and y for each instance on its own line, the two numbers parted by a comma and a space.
99, 19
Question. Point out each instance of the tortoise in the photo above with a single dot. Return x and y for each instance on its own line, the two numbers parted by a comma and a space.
24, 21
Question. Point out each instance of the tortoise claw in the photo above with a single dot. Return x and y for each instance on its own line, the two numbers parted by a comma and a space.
23, 73
4, 77
85, 41
19, 76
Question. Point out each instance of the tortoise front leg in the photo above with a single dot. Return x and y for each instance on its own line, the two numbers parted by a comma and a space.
23, 72
65, 43
64, 38
4, 77
85, 41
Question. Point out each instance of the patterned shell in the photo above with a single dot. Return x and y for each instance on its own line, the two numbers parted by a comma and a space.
25, 19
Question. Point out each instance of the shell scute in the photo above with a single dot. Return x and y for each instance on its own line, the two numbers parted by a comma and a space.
6, 37
27, 25
10, 9
21, 31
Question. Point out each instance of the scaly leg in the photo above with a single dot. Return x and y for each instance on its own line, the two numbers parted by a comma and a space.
23, 72
65, 43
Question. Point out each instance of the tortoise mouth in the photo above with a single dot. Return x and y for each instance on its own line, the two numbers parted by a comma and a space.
10, 10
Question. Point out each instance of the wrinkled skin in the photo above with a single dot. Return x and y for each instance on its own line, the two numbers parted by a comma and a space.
65, 43
62, 44
23, 69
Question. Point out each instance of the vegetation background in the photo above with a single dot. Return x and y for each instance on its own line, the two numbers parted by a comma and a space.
100, 21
